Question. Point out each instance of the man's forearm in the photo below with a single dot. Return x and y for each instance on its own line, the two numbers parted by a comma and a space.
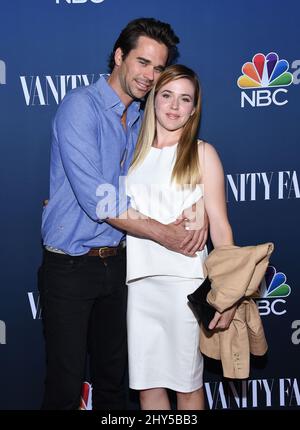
171, 236
139, 225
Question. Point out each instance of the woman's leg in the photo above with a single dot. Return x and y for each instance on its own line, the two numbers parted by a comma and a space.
155, 399
191, 401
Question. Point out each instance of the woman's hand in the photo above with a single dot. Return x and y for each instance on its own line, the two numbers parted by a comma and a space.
196, 223
223, 320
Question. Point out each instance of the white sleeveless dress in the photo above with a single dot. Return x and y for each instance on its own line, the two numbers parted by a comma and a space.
163, 334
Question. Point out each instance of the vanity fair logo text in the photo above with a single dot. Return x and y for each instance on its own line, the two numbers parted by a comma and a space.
50, 89
245, 187
255, 393
35, 306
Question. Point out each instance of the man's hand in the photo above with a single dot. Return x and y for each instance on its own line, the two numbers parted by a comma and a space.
196, 222
223, 320
173, 236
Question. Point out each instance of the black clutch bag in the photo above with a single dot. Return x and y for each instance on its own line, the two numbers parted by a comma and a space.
202, 310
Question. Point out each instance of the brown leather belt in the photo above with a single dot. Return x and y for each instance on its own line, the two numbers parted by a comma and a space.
106, 251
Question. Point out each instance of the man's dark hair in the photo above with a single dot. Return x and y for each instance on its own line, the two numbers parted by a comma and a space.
149, 27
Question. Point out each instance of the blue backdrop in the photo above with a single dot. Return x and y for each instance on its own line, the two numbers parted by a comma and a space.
48, 47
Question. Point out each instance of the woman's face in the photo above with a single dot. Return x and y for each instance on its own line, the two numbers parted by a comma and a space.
174, 104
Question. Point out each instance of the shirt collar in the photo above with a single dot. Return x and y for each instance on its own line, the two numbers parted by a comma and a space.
112, 100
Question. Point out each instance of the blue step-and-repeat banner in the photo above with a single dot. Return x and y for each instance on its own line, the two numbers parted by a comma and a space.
248, 59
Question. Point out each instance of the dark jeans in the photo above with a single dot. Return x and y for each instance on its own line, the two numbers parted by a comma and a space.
84, 309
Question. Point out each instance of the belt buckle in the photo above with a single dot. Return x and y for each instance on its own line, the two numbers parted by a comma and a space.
104, 248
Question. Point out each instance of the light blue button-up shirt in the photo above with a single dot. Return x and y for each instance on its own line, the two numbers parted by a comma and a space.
90, 151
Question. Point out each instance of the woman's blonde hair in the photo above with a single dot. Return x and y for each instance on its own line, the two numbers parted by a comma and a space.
186, 168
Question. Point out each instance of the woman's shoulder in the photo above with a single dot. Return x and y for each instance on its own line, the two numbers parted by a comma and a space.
206, 148
209, 158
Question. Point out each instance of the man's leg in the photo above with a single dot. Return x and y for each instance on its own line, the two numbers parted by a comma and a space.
108, 339
67, 297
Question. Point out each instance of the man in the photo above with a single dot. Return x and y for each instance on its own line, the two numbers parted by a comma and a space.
82, 278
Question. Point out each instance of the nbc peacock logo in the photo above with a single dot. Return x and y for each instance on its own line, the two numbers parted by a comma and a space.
86, 396
273, 291
265, 71
274, 285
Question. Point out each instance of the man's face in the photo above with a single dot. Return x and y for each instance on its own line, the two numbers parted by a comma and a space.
139, 71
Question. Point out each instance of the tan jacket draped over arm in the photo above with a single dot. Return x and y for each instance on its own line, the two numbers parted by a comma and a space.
235, 274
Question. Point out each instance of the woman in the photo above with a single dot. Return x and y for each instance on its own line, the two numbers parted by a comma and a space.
164, 179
